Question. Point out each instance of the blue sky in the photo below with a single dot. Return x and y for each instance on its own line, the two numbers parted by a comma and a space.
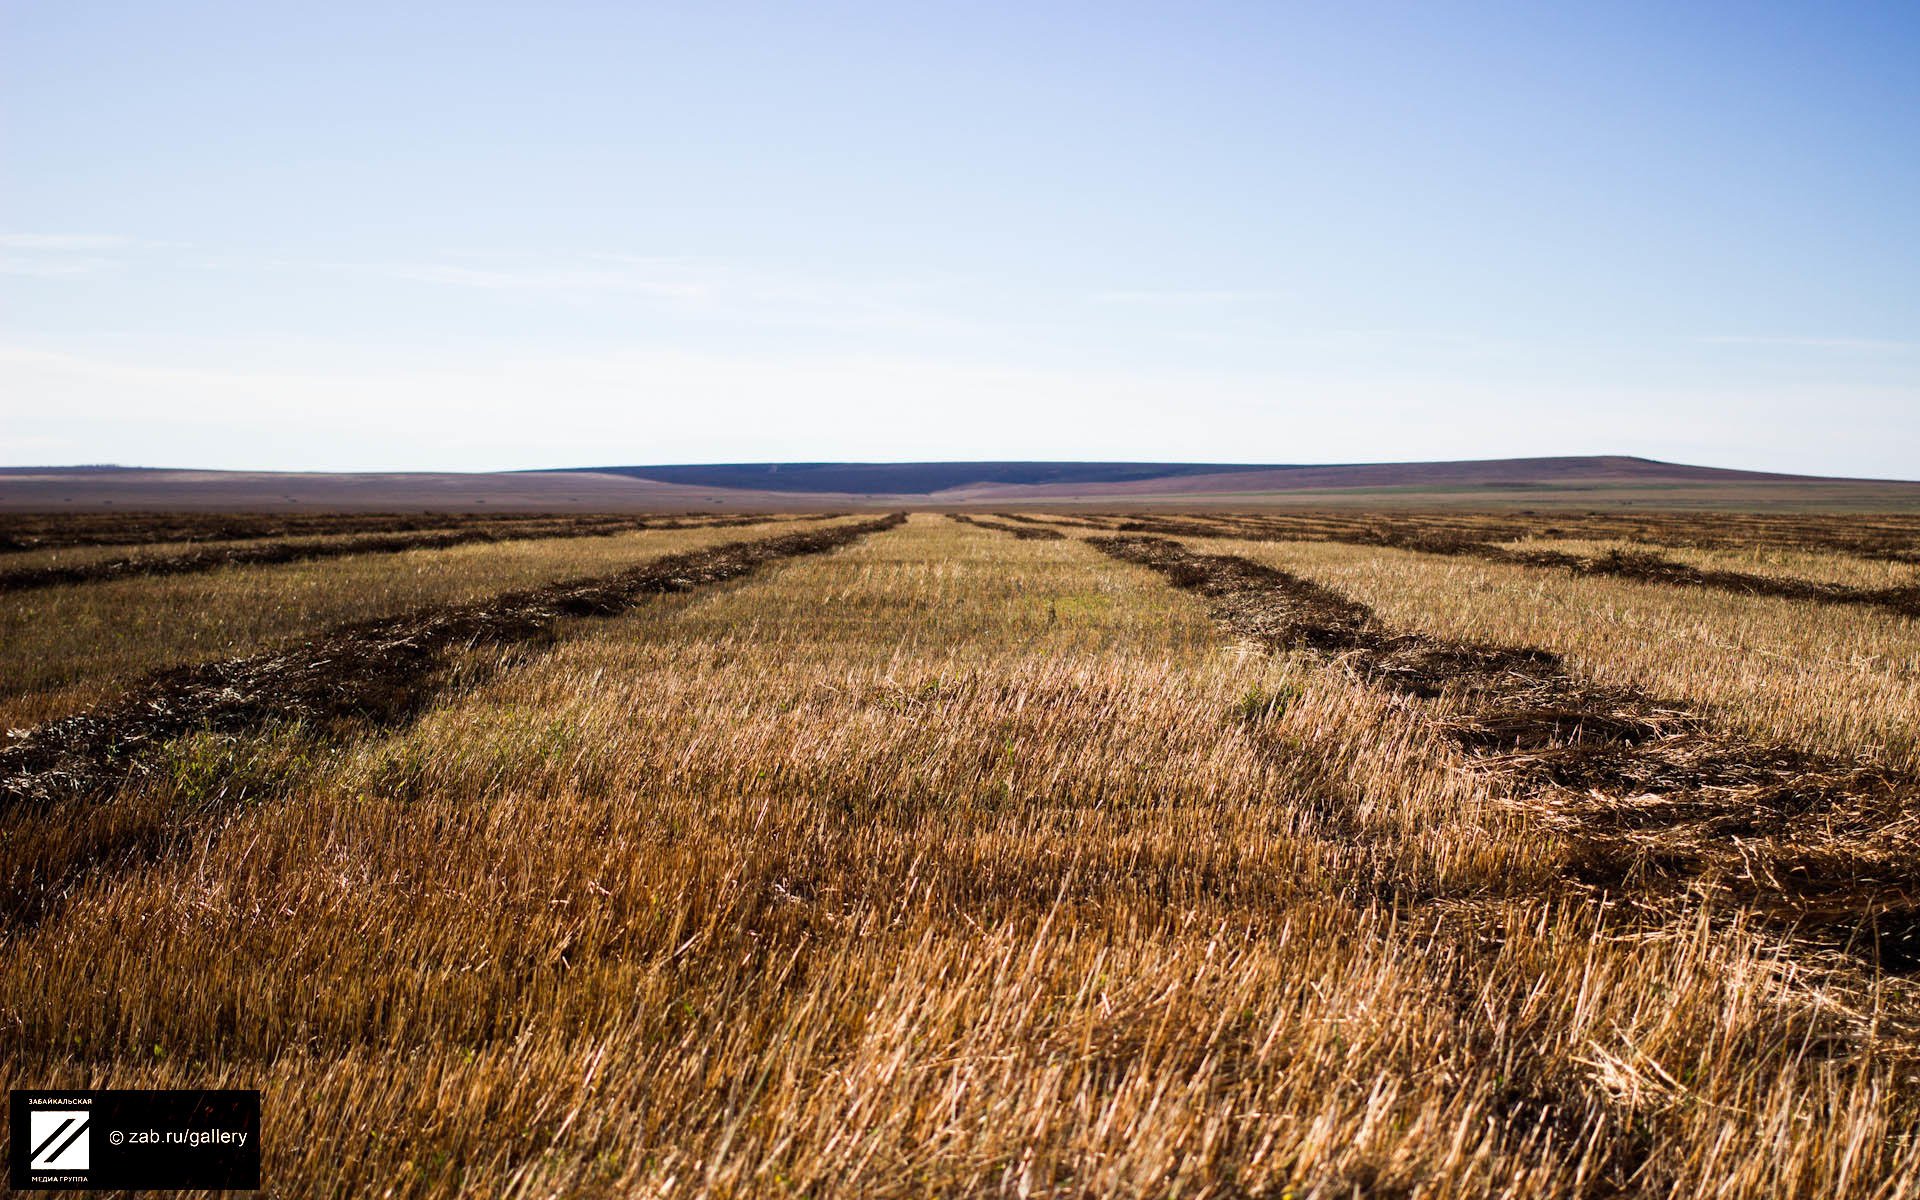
475, 236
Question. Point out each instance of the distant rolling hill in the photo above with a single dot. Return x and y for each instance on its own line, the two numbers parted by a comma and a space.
911, 479
1585, 481
1040, 479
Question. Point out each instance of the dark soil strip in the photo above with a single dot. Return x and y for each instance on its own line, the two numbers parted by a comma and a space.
1882, 537
1653, 798
197, 561
30, 532
1642, 566
1029, 533
379, 671
1887, 538
1056, 520
1652, 568
1656, 804
1171, 527
1104, 523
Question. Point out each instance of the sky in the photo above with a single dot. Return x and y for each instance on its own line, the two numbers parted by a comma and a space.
372, 236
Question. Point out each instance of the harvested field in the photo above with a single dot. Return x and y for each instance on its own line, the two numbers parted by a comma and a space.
1809, 676
272, 551
1647, 567
1650, 789
1029, 532
88, 555
1879, 537
1456, 538
367, 675
370, 671
33, 531
933, 857
1788, 564
62, 648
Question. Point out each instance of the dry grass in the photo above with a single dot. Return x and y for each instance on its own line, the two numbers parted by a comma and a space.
1449, 537
28, 531
1773, 561
1806, 675
1887, 537
948, 864
86, 555
81, 542
1660, 801
66, 647
84, 568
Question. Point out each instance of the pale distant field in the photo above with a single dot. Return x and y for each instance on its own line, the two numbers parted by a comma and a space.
947, 863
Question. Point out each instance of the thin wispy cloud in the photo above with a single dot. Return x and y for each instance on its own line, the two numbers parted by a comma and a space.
710, 290
67, 255
715, 291
33, 266
663, 279
55, 255
1270, 190
1811, 343
312, 405
63, 241
1184, 297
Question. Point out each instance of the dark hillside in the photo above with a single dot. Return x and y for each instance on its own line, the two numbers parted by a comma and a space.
908, 479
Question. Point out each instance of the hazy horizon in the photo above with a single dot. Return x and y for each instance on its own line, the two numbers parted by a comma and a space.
489, 238
1223, 466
